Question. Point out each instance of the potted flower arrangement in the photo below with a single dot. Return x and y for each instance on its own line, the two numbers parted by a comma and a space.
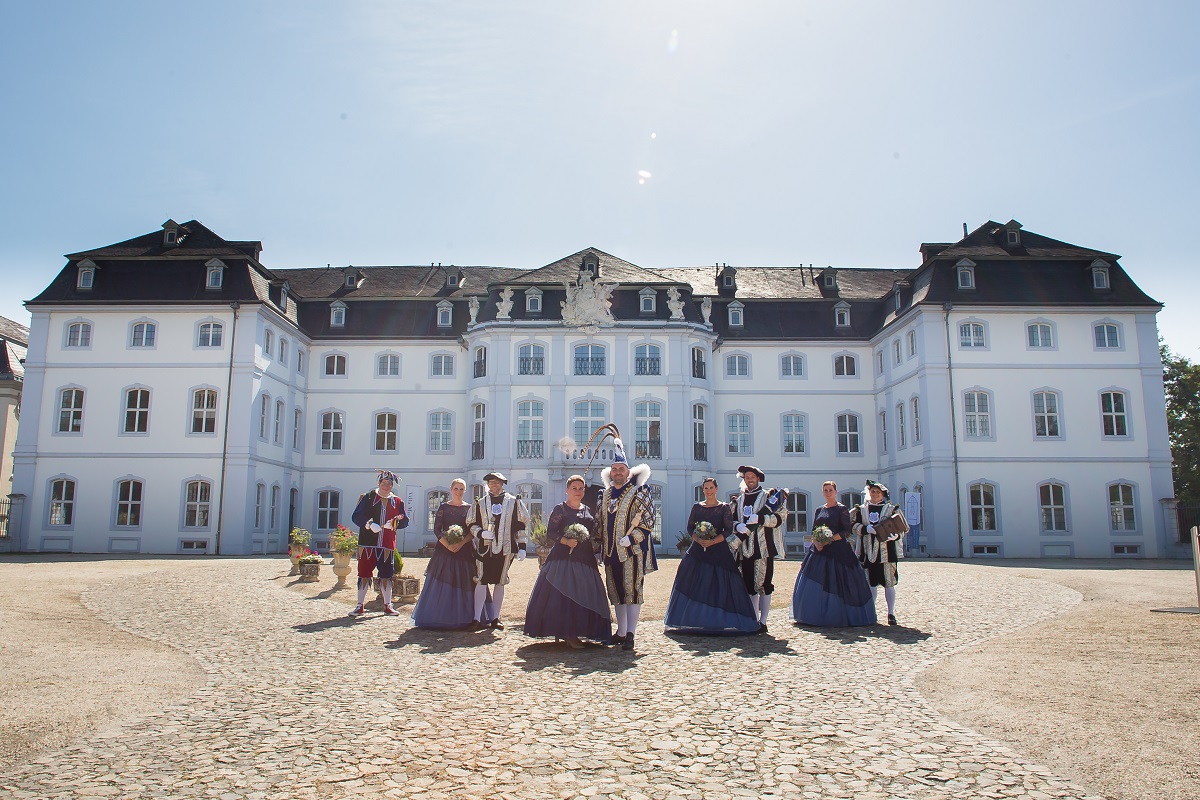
537, 535
310, 566
299, 541
343, 543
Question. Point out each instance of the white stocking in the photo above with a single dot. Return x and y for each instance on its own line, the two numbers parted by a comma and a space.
889, 594
622, 619
363, 583
387, 592
480, 599
754, 600
632, 612
497, 599
764, 608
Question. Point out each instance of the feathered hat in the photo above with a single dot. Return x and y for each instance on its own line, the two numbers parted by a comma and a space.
386, 475
638, 475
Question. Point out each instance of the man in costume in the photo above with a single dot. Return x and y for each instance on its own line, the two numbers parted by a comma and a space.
498, 521
759, 513
626, 523
878, 551
378, 515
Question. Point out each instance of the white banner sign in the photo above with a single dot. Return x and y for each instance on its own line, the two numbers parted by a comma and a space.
912, 508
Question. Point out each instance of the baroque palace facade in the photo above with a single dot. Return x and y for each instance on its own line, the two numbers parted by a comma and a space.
181, 397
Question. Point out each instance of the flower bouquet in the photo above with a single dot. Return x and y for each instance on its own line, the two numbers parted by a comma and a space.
453, 534
822, 535
704, 531
577, 532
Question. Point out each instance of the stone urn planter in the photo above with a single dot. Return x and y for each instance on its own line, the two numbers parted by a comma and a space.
341, 568
294, 553
405, 589
310, 573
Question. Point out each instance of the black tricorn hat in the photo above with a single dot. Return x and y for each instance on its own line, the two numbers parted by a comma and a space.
497, 475
742, 470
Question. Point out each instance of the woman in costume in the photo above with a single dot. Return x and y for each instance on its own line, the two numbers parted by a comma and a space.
709, 595
880, 551
448, 600
831, 589
568, 600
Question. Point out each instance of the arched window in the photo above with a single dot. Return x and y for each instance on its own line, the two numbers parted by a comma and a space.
204, 411
1052, 503
62, 502
531, 429
137, 410
647, 360
197, 504
647, 422
983, 506
590, 360
531, 359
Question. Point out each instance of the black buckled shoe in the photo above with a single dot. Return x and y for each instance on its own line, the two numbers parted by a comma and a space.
496, 625
892, 619
628, 644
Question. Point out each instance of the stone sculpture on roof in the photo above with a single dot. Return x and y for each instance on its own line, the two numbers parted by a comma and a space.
706, 310
505, 304
588, 303
674, 303
473, 306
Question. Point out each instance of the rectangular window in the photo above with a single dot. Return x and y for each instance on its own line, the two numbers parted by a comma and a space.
793, 434
477, 443
883, 431
1039, 335
970, 334
1112, 408
329, 503
647, 423
737, 366
1121, 508
1051, 498
279, 409
385, 432
70, 411
1107, 336
480, 362
137, 410
62, 502
792, 367
197, 505
209, 335
797, 512
129, 504
978, 415
388, 366
901, 439
590, 360
264, 413
440, 433
847, 433
699, 368
587, 416
1045, 414
204, 411
896, 351
738, 434
331, 431
844, 366
79, 334
916, 418
442, 366
699, 441
335, 365
143, 335
983, 507
530, 429
912, 343
275, 494
531, 359
259, 492
647, 360
296, 430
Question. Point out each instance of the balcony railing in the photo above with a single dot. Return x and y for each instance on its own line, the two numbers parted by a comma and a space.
531, 365
476, 451
651, 448
530, 448
647, 365
700, 451
480, 369
589, 366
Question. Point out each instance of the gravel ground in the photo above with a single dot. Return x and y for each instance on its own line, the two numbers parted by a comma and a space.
1104, 693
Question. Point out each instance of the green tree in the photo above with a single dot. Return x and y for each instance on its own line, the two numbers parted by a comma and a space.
1182, 381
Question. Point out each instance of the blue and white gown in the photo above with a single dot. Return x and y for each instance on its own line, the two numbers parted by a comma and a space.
831, 589
568, 599
447, 600
709, 595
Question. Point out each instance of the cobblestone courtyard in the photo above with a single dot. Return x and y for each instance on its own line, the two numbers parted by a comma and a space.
299, 701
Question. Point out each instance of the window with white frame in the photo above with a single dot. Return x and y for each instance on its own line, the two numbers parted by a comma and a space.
699, 435
1053, 506
590, 360
1045, 415
209, 334
433, 501
533, 301
647, 360
737, 366
1122, 515
983, 506
264, 414
441, 365
1112, 413
1039, 335
337, 315
274, 508
197, 504
79, 334
296, 429
62, 502
1099, 275
70, 411
879, 362
845, 365
647, 427
647, 300
86, 277
479, 411
335, 365
480, 370
441, 432
971, 334
850, 499
977, 415
268, 343
259, 495
332, 425
911, 336
883, 437
137, 411
531, 493
386, 424
141, 334
901, 434
215, 275
797, 512
656, 496
848, 434
329, 506
531, 434
795, 434
735, 314
966, 275
737, 434
586, 417
129, 503
841, 314
531, 359
791, 366
1107, 336
895, 351
283, 351
445, 314
299, 361
916, 419
279, 409
387, 365
699, 363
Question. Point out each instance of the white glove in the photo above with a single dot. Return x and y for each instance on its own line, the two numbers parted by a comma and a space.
520, 555
740, 528
871, 529
752, 519
625, 542
488, 536
373, 527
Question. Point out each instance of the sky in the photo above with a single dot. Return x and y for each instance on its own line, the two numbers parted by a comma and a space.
664, 133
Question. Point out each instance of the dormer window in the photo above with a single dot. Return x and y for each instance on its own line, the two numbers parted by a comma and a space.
445, 314
830, 281
590, 265
1014, 238
735, 314
337, 314
214, 278
453, 280
647, 300
828, 278
87, 274
533, 301
841, 315
966, 274
728, 282
1012, 233
171, 235
351, 281
1100, 275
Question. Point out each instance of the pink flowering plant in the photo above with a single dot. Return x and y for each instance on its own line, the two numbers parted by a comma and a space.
312, 557
343, 540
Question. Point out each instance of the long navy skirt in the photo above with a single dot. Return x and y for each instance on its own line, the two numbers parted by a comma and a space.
831, 589
568, 599
709, 595
447, 600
